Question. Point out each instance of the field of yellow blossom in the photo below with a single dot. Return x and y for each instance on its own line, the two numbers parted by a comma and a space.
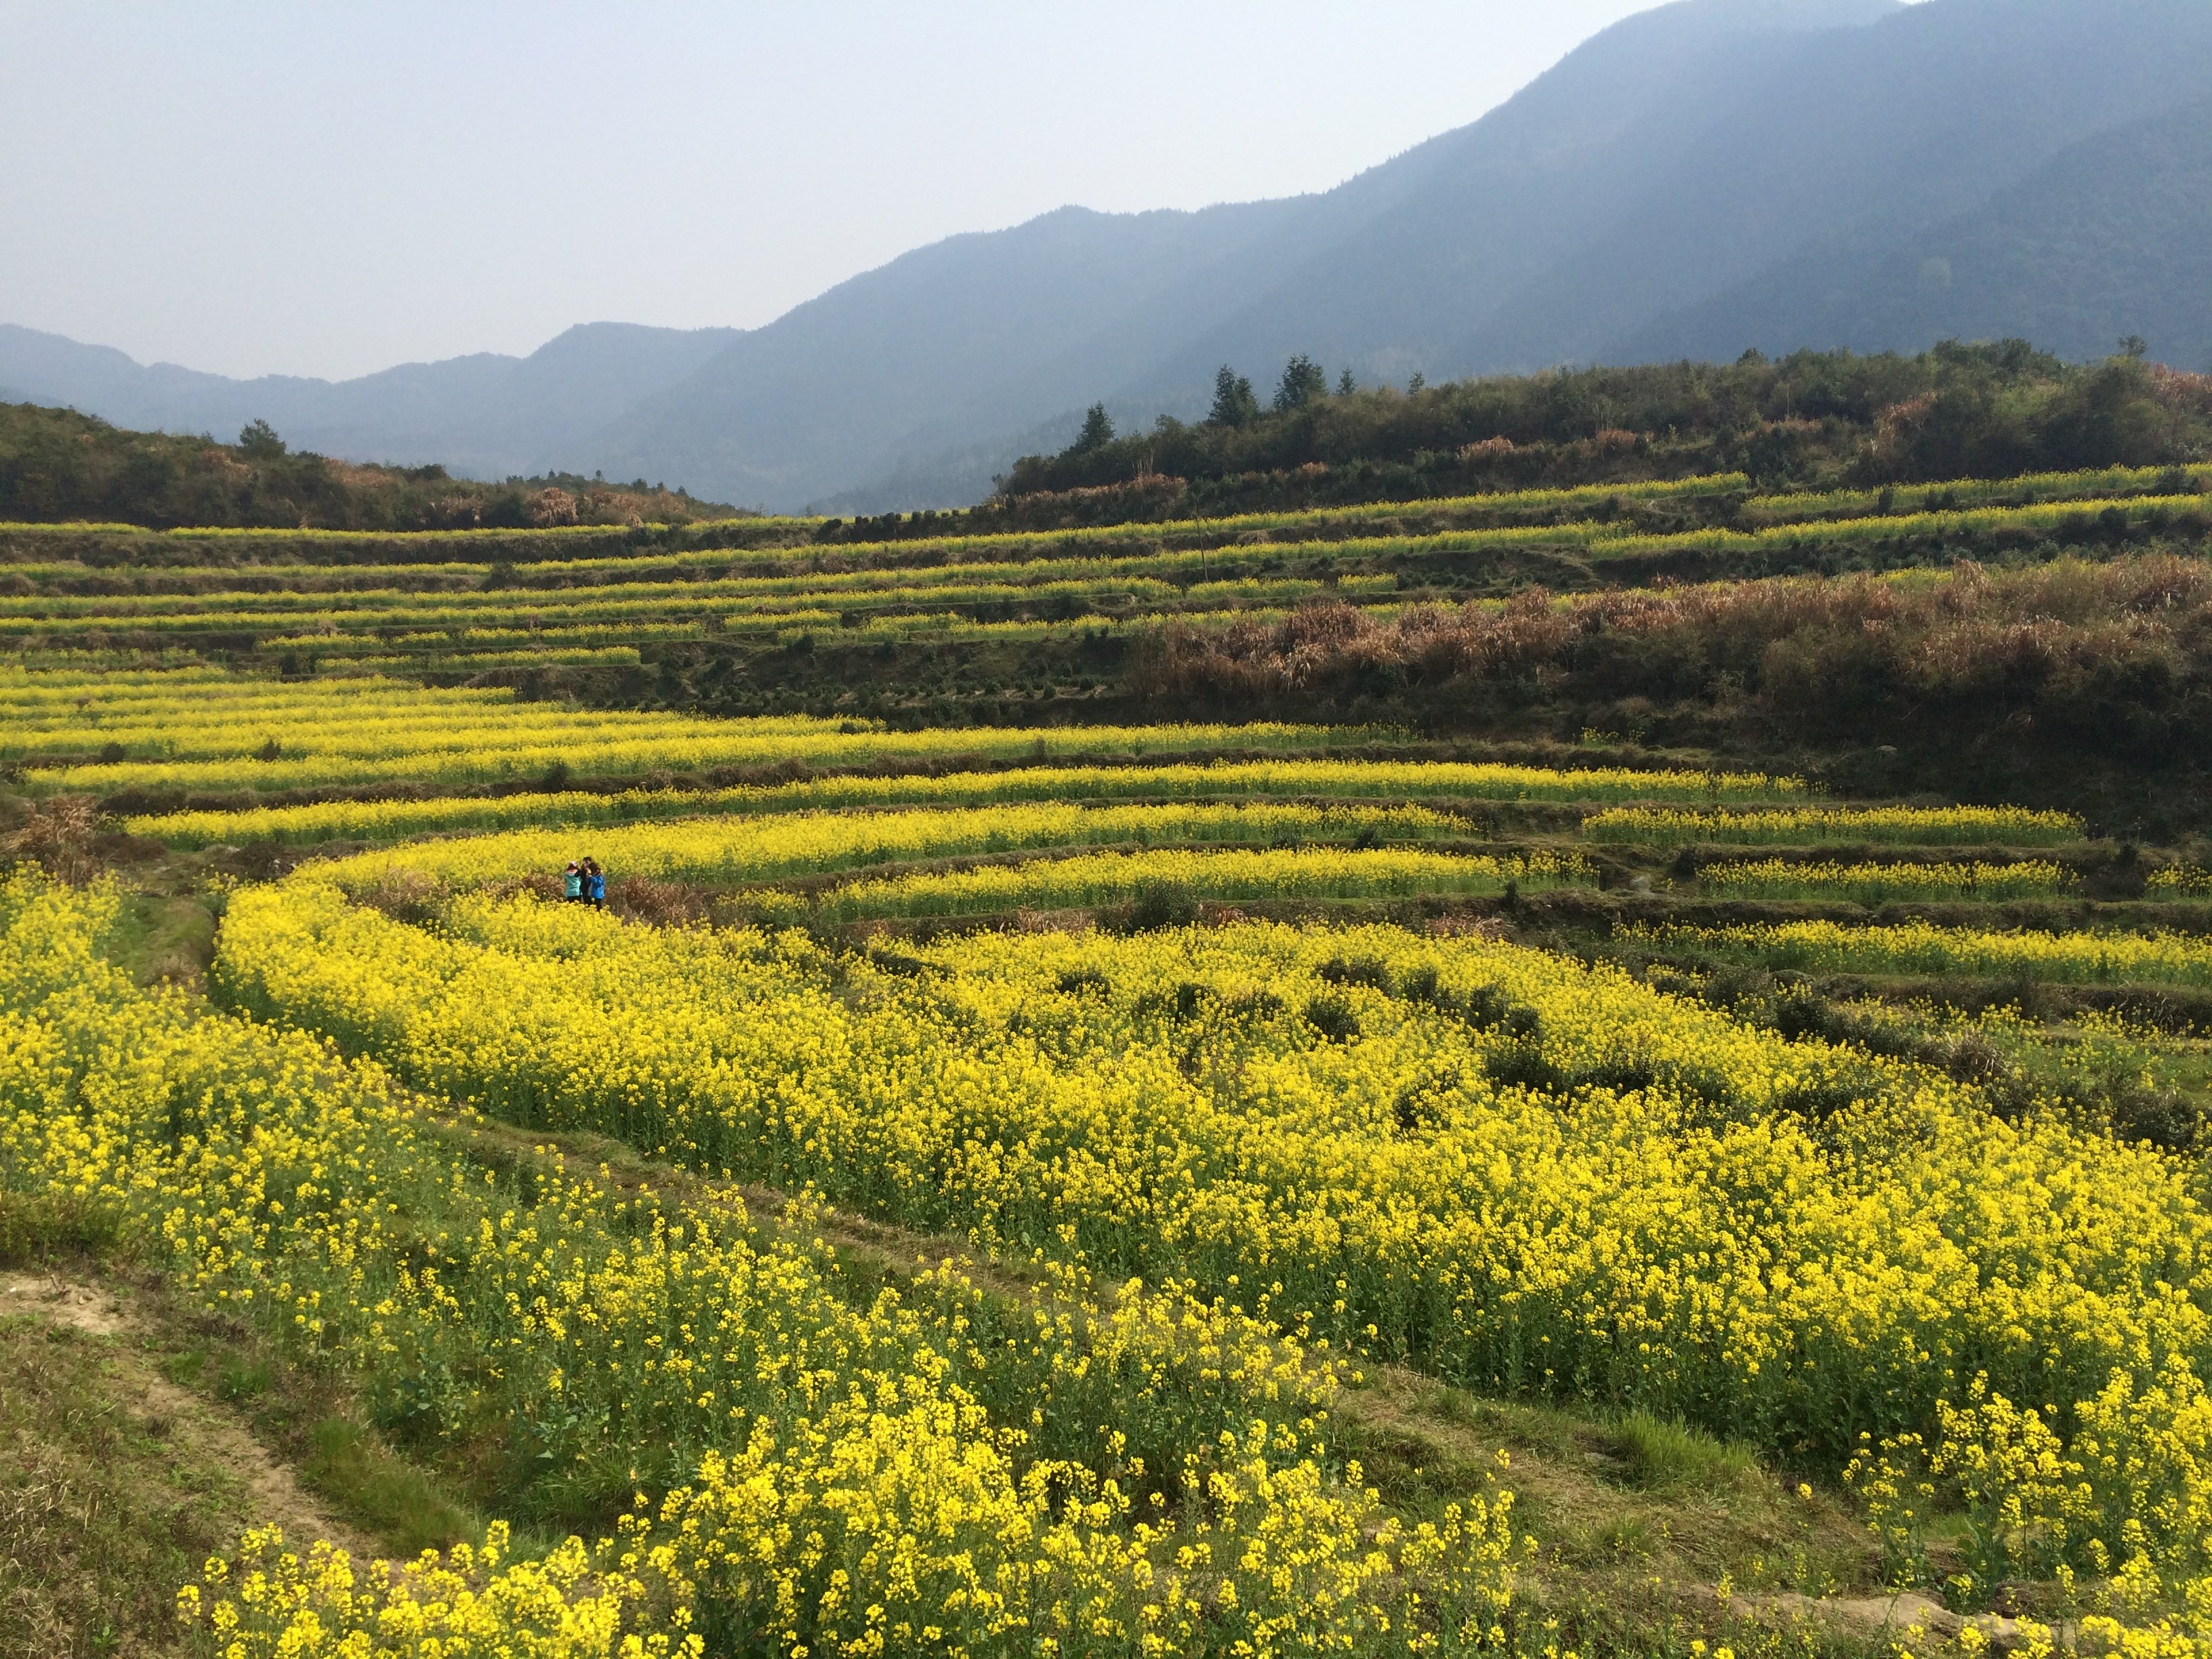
1212, 1083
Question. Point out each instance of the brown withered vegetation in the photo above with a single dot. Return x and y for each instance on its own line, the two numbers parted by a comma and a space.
61, 837
2115, 655
663, 903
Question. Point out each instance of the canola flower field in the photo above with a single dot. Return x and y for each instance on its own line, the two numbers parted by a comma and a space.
1136, 1472
1521, 1174
190, 730
751, 849
1272, 1056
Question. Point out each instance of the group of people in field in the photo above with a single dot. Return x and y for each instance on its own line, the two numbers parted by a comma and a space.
584, 882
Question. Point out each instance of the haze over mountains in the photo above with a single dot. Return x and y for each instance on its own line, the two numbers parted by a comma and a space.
485, 415
1705, 178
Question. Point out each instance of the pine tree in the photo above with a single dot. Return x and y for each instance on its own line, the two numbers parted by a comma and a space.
1234, 403
1097, 430
259, 439
1303, 383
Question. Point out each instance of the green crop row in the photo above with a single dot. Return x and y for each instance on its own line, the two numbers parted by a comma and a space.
2102, 484
1872, 885
2043, 519
1942, 826
1503, 506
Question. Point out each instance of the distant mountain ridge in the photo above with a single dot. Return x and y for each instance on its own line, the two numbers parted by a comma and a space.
2112, 235
1705, 177
485, 415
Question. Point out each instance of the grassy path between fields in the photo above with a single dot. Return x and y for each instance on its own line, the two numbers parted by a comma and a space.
138, 1438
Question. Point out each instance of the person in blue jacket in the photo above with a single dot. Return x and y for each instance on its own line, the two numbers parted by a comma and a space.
572, 883
595, 884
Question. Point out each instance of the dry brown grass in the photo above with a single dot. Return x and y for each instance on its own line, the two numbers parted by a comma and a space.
1807, 647
407, 895
663, 904
60, 836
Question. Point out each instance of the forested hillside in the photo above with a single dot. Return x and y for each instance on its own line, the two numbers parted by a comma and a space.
1812, 420
56, 464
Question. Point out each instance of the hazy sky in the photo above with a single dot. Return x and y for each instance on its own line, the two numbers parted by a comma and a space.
309, 188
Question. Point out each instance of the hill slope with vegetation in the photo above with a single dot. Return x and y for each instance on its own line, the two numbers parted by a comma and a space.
56, 464
1812, 420
485, 415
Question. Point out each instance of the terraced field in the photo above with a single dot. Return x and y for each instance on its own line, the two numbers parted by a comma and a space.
338, 603
1224, 1186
